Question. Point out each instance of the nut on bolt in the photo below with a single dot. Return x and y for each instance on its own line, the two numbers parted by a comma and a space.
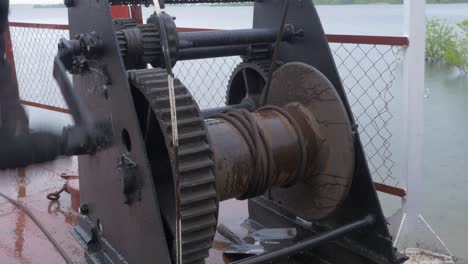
84, 209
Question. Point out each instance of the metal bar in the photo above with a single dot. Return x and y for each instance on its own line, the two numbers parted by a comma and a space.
232, 37
395, 191
308, 243
38, 26
368, 40
212, 52
80, 113
46, 107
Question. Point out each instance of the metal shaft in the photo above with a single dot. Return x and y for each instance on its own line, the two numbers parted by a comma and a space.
212, 52
232, 37
308, 243
236, 160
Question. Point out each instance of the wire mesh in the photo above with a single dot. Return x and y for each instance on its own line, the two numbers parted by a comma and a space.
34, 50
368, 73
207, 79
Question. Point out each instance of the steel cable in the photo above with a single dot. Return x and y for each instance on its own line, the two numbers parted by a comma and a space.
249, 127
41, 226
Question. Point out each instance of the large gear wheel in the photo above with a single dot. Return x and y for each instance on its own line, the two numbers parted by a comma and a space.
247, 82
199, 202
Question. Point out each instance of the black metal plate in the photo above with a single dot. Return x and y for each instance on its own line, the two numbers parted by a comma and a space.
314, 50
130, 223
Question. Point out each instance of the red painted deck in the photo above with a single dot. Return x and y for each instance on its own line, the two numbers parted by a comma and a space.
21, 240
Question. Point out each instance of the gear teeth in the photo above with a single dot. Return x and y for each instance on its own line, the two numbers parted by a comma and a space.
259, 52
196, 225
193, 150
260, 66
199, 203
151, 43
122, 41
147, 36
124, 23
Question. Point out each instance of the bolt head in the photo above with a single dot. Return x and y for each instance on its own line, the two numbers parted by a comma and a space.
84, 209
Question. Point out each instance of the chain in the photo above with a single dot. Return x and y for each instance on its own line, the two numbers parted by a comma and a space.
55, 196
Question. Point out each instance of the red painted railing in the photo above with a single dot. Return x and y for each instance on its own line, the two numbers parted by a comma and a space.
333, 38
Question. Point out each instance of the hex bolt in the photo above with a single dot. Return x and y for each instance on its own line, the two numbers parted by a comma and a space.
84, 209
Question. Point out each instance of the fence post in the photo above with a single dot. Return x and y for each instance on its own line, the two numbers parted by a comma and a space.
412, 230
413, 105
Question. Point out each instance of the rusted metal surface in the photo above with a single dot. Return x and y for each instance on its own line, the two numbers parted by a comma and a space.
235, 161
395, 191
44, 106
21, 241
368, 40
332, 168
72, 187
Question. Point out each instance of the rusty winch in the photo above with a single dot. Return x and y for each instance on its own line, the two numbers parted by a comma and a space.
153, 177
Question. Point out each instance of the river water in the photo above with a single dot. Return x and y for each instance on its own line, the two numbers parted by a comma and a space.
445, 188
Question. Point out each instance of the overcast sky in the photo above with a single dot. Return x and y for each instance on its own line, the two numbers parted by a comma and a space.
35, 1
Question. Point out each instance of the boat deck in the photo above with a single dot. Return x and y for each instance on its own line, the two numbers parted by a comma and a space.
21, 240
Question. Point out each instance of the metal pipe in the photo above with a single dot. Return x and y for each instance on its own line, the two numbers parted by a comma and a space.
233, 37
308, 243
212, 52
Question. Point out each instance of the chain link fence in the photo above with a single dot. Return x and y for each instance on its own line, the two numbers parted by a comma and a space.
368, 72
34, 50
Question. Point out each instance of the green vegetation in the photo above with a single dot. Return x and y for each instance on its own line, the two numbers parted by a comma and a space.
440, 36
448, 44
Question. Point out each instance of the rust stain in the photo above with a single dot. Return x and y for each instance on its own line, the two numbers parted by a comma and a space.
20, 215
220, 245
